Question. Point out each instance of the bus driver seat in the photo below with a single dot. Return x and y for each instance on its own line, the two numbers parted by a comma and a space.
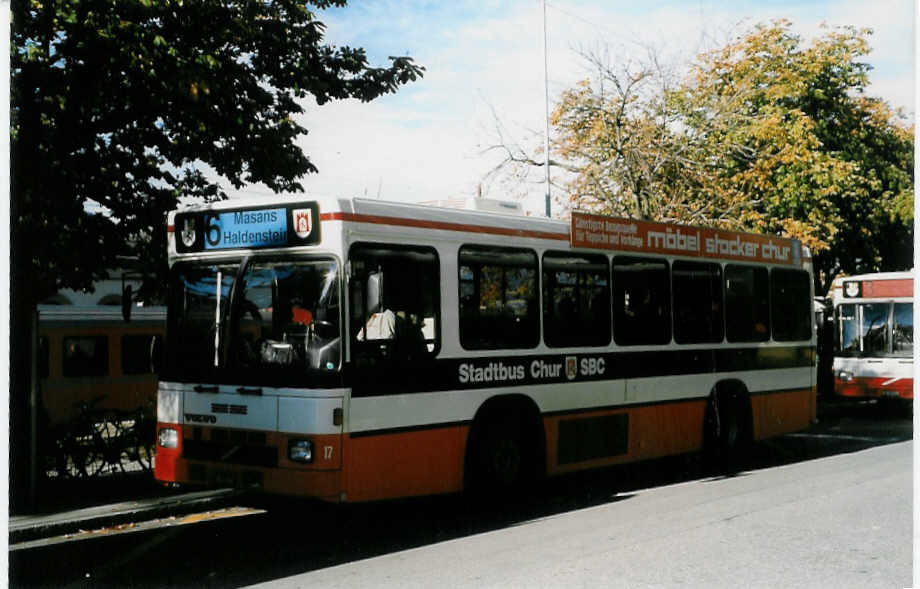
381, 321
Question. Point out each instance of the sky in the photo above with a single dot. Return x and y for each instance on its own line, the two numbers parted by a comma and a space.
484, 65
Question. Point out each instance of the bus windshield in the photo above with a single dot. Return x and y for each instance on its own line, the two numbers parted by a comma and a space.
863, 329
265, 321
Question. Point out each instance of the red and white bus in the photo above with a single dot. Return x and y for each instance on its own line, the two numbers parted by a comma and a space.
874, 339
356, 350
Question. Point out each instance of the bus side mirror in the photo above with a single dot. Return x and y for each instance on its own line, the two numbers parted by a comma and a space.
156, 353
126, 301
374, 293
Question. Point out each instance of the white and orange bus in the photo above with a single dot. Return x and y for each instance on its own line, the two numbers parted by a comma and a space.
355, 350
874, 336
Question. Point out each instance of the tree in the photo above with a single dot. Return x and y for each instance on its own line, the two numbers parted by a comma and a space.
121, 107
632, 153
767, 133
818, 159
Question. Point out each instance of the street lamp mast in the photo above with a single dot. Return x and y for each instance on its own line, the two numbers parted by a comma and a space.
546, 112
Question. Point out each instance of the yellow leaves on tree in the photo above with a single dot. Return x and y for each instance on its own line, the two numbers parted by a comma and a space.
768, 133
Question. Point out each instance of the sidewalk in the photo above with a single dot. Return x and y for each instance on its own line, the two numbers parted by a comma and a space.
108, 501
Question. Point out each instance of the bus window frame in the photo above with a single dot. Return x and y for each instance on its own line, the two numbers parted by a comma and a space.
592, 259
720, 303
534, 323
348, 301
628, 339
767, 334
103, 362
806, 312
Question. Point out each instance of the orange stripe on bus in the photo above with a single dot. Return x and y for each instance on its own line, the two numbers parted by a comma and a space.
405, 464
654, 431
782, 412
442, 225
431, 461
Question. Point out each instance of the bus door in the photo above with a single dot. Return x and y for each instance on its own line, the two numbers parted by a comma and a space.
393, 306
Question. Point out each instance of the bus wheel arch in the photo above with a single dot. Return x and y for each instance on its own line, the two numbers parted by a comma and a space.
728, 424
506, 445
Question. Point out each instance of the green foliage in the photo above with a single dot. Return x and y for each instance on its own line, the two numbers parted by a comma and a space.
819, 159
767, 133
124, 103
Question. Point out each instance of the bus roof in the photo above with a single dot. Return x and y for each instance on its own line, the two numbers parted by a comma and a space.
876, 276
289, 221
884, 285
99, 314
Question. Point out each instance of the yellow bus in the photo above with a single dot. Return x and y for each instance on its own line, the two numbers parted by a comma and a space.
90, 352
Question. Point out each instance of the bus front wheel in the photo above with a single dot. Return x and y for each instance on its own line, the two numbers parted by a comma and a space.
501, 456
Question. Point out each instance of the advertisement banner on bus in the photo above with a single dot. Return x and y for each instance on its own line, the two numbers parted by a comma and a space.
600, 232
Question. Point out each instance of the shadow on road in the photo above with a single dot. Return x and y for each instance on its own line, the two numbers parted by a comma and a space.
295, 536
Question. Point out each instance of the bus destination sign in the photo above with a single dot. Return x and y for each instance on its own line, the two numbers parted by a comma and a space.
600, 232
263, 228
249, 228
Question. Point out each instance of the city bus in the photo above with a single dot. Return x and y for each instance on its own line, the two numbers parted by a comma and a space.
357, 350
874, 336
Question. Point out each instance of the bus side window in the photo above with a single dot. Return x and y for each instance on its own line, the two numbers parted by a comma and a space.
86, 356
641, 301
747, 303
698, 304
790, 297
44, 357
576, 300
498, 298
139, 353
394, 301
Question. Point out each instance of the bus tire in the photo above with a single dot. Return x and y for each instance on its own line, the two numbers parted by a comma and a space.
502, 455
504, 452
727, 428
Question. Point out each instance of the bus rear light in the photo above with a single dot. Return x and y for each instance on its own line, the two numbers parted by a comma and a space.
300, 451
168, 437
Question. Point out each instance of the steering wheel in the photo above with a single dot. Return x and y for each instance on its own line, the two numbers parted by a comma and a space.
252, 309
324, 329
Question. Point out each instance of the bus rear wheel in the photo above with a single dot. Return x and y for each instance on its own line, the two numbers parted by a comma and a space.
727, 433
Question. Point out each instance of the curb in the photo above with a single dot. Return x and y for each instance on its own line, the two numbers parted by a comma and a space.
28, 528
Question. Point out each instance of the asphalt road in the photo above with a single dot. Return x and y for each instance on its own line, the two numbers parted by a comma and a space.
830, 507
822, 523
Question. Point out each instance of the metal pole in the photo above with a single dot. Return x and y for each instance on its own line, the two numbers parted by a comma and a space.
34, 404
546, 111
217, 318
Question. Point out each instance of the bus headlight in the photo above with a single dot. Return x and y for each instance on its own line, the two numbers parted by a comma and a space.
300, 451
845, 376
168, 437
